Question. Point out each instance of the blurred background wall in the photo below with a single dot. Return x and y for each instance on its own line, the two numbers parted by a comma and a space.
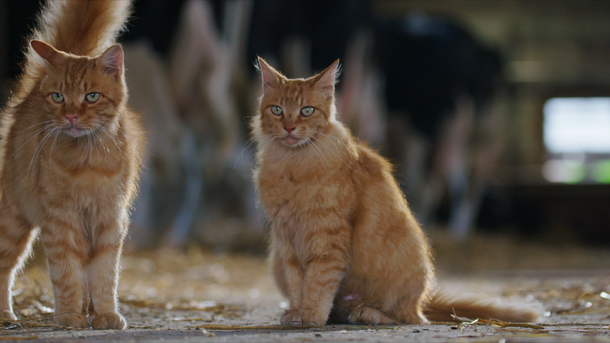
495, 113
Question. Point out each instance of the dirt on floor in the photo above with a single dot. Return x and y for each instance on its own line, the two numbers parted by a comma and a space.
195, 295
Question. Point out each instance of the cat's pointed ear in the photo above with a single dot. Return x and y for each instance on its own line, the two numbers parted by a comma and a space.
271, 77
326, 80
46, 51
111, 61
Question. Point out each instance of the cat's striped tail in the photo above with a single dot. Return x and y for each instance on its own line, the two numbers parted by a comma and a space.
442, 306
82, 27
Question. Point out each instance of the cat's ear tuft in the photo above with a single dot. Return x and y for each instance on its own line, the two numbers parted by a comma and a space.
326, 80
271, 77
111, 61
46, 51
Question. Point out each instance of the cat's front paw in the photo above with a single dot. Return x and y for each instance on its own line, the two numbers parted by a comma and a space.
8, 315
110, 320
72, 320
302, 318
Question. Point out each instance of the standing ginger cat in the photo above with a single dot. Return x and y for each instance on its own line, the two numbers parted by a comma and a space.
71, 151
344, 243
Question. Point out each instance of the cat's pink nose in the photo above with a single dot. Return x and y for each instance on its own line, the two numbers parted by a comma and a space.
71, 118
289, 128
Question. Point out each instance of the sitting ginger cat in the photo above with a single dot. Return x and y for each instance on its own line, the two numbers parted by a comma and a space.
344, 245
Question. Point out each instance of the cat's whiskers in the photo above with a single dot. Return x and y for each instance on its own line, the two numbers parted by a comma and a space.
336, 150
98, 133
35, 134
118, 127
326, 145
57, 133
268, 143
249, 143
310, 142
268, 134
314, 137
98, 138
37, 124
301, 142
95, 139
103, 129
90, 148
39, 148
332, 139
274, 146
112, 137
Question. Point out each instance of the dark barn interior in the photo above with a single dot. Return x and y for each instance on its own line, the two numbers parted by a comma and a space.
495, 115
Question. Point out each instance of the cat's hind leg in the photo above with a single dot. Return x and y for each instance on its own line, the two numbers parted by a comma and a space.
408, 310
361, 315
16, 237
368, 316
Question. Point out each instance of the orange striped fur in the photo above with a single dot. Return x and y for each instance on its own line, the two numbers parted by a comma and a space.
344, 245
70, 167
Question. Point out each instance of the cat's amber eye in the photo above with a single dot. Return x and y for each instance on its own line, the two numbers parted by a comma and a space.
276, 110
57, 97
307, 111
92, 97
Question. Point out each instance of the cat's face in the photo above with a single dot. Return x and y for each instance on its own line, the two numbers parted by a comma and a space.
82, 95
294, 112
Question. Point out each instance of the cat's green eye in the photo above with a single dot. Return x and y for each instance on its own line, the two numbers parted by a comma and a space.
276, 110
307, 111
57, 97
92, 97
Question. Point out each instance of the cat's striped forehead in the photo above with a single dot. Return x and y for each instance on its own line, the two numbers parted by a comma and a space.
297, 92
77, 73
294, 91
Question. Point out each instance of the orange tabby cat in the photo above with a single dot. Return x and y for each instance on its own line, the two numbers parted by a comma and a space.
70, 160
344, 243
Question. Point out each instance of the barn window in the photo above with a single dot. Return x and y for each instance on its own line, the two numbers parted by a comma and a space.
576, 135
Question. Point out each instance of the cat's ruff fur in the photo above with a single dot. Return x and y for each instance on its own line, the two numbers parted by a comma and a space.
344, 243
70, 166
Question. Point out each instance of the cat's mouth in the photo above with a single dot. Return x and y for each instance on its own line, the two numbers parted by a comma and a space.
295, 142
291, 140
76, 132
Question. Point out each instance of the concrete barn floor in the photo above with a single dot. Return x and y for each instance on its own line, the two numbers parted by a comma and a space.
200, 296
